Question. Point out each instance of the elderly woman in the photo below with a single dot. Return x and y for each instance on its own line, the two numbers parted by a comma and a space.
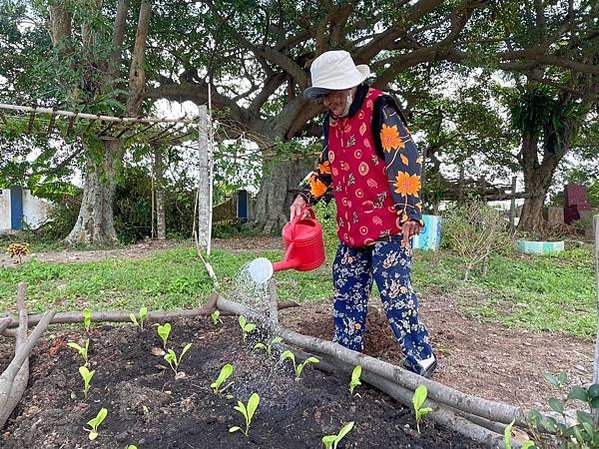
372, 166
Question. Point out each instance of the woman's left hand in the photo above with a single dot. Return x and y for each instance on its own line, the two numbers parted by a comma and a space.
408, 230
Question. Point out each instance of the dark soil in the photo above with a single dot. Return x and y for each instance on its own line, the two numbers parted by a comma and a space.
149, 408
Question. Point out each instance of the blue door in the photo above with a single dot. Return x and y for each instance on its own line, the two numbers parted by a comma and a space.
16, 208
242, 206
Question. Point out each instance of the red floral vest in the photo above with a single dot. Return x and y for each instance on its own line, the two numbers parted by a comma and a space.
365, 210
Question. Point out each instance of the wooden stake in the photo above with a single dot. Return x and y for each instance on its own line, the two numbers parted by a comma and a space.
595, 411
13, 380
513, 206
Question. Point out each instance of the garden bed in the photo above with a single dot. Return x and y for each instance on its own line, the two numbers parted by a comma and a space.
149, 408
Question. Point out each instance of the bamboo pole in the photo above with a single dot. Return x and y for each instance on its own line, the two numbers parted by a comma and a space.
7, 378
17, 387
105, 118
115, 316
513, 205
4, 323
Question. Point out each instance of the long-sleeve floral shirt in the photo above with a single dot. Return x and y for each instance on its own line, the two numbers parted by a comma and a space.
394, 144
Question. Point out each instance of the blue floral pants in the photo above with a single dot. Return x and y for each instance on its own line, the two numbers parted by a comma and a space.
389, 264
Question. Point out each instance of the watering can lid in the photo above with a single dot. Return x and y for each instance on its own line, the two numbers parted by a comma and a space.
260, 270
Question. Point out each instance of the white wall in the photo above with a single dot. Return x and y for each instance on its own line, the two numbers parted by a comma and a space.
4, 209
35, 210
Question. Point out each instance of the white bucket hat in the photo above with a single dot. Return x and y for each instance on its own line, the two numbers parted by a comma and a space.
334, 70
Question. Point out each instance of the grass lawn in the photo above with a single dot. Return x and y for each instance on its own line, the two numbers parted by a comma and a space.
544, 292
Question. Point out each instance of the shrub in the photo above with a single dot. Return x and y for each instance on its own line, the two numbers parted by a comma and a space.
475, 231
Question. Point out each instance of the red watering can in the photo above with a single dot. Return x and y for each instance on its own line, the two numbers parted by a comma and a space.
304, 245
304, 248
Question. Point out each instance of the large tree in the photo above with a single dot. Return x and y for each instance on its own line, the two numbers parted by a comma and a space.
98, 77
82, 67
256, 57
550, 104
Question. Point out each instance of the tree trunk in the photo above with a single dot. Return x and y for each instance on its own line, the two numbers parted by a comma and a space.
532, 209
95, 224
274, 197
159, 178
537, 180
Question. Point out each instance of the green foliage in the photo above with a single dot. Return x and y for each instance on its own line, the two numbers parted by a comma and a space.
475, 231
143, 315
418, 400
355, 379
332, 441
246, 327
247, 413
554, 293
87, 319
87, 376
581, 435
164, 330
298, 368
326, 216
173, 360
83, 351
215, 317
507, 435
539, 111
133, 205
94, 423
268, 346
224, 374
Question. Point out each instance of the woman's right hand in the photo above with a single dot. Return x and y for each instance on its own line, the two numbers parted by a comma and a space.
298, 205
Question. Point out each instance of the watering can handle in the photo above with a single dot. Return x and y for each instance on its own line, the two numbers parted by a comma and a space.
301, 215
308, 209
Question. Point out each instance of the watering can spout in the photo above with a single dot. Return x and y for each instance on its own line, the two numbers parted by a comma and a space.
285, 265
288, 262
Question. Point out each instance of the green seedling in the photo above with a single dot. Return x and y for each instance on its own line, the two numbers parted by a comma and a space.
173, 361
247, 412
268, 346
216, 317
507, 434
143, 315
131, 446
164, 330
82, 350
87, 378
355, 379
332, 441
95, 422
225, 373
246, 327
298, 368
87, 319
418, 400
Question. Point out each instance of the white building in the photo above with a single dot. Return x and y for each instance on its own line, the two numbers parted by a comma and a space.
19, 209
